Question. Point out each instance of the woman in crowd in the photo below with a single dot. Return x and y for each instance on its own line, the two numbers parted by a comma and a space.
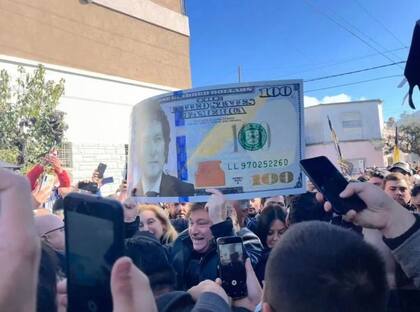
155, 220
271, 225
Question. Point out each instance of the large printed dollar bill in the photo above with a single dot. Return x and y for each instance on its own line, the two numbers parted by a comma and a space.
243, 139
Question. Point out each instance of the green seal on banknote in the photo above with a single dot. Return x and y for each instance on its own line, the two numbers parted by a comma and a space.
252, 136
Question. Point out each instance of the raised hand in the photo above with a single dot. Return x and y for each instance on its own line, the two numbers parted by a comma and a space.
254, 290
382, 212
216, 206
208, 286
19, 245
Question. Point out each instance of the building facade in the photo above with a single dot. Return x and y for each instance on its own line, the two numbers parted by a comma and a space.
358, 126
112, 54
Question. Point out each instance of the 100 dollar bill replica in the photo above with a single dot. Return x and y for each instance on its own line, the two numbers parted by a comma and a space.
243, 139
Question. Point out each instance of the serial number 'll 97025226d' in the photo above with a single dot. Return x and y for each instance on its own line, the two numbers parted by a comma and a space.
272, 163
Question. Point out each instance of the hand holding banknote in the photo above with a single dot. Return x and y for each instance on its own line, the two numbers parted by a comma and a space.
216, 206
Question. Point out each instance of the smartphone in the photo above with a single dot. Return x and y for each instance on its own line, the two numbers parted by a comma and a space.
107, 180
232, 266
330, 182
101, 170
90, 187
125, 172
46, 181
94, 230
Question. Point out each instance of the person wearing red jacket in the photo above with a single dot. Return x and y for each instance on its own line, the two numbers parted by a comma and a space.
54, 161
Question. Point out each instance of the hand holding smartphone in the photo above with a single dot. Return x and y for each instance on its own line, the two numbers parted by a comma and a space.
330, 182
232, 269
101, 170
94, 241
46, 183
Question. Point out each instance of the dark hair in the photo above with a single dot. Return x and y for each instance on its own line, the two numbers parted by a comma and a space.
363, 178
377, 174
416, 190
396, 176
47, 280
263, 200
270, 213
305, 207
195, 207
151, 257
152, 112
317, 266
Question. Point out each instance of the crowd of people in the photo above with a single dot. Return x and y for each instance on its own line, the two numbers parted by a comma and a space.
301, 256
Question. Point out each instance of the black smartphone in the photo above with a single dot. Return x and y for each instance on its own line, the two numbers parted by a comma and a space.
232, 270
94, 231
330, 182
90, 187
107, 180
125, 172
101, 170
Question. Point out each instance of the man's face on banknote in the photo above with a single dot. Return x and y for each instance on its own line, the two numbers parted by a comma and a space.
152, 151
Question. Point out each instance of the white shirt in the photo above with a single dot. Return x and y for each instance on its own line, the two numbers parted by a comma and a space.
155, 187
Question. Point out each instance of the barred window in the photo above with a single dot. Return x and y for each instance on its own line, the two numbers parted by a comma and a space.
65, 153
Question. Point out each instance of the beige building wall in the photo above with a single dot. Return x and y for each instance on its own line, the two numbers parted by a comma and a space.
174, 5
98, 38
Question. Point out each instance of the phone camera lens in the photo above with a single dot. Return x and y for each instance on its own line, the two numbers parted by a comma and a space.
92, 306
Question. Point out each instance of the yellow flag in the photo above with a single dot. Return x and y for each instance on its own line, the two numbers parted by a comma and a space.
396, 155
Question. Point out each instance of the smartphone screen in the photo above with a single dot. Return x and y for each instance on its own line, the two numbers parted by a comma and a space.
94, 241
47, 181
232, 266
101, 170
107, 180
330, 182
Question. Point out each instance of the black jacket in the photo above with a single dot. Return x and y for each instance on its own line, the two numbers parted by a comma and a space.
170, 186
260, 269
181, 301
182, 253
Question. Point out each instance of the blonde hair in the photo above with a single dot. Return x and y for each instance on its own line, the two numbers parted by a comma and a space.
170, 234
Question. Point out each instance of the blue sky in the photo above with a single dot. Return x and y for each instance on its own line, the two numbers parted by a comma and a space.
275, 39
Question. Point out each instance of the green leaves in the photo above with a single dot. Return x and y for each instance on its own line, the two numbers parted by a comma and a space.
30, 124
408, 134
410, 138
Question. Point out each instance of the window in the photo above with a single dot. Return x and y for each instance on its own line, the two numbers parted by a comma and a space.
352, 120
352, 126
352, 123
65, 153
359, 165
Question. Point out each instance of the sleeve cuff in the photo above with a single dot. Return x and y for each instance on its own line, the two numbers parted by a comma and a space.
221, 229
394, 243
211, 302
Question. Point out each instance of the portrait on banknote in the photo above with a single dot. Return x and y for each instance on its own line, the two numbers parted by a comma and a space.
244, 139
152, 139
